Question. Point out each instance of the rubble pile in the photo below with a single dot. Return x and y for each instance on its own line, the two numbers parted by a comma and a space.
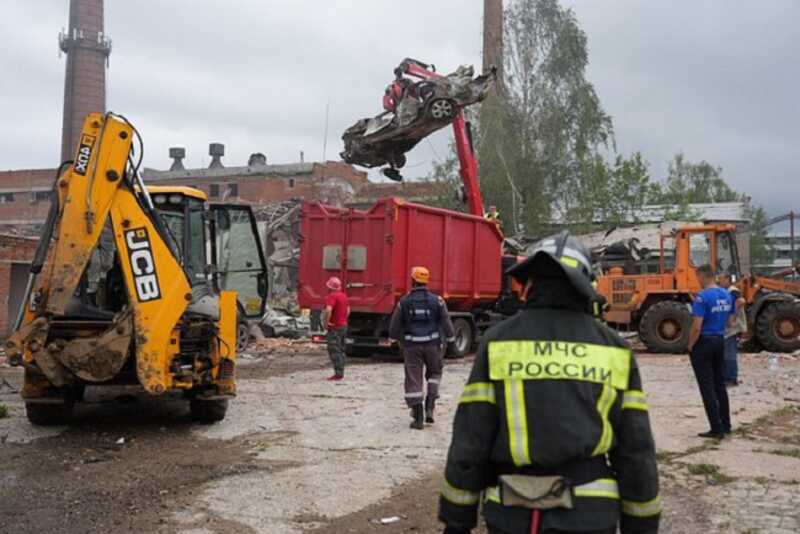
279, 226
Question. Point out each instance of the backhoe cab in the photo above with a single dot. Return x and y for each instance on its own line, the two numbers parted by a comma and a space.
134, 285
659, 305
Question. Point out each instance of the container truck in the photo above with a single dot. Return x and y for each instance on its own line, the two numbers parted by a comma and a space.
373, 251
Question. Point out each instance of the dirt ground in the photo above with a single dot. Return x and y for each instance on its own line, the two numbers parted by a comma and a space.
297, 454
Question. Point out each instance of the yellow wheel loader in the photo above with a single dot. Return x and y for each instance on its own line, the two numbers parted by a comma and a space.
134, 285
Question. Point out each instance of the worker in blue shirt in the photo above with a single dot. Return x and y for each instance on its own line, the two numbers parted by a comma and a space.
712, 310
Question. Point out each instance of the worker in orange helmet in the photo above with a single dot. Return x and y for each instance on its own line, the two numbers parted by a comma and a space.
421, 324
334, 316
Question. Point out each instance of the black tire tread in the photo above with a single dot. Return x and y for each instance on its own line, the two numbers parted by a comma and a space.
208, 411
764, 326
48, 414
651, 318
451, 352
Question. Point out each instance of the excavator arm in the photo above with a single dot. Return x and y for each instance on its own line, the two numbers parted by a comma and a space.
100, 187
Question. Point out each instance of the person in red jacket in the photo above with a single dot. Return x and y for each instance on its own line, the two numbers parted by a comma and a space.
335, 315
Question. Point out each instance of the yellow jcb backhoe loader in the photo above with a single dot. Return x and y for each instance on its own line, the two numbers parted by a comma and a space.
134, 285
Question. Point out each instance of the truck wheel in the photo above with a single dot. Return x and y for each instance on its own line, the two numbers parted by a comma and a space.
665, 327
358, 352
778, 326
463, 342
49, 414
208, 411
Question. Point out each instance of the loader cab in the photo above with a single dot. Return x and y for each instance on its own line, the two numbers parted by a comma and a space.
713, 245
217, 244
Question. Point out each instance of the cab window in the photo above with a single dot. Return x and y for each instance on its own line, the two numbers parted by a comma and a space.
700, 249
726, 259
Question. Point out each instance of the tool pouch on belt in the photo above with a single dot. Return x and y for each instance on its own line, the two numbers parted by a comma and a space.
535, 493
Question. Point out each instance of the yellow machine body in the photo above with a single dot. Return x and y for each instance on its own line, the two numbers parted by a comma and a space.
61, 349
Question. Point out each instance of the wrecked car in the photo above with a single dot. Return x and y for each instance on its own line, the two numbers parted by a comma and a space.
412, 111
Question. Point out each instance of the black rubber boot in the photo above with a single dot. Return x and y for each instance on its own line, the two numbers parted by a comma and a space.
418, 412
430, 405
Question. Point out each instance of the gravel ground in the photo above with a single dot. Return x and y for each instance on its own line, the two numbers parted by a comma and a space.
299, 454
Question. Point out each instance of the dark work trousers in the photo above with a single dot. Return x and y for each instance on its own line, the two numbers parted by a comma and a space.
708, 362
418, 357
527, 530
336, 337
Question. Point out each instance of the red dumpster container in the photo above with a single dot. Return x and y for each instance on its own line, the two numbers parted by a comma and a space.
373, 251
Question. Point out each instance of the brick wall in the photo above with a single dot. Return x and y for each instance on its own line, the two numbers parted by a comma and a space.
12, 249
330, 182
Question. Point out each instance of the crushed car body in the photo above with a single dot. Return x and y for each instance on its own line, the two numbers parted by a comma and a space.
413, 109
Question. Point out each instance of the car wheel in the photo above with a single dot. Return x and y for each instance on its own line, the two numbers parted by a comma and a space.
242, 335
441, 109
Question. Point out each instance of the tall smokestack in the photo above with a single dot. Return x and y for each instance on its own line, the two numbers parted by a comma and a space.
87, 48
493, 36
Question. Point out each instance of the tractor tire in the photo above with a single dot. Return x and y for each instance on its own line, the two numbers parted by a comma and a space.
40, 414
464, 338
208, 411
778, 326
665, 327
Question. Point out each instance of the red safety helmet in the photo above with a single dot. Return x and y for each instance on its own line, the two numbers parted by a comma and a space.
333, 283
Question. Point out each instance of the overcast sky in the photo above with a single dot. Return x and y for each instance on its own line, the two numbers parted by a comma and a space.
716, 79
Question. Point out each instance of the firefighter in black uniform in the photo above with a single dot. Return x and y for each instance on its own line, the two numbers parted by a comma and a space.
422, 324
552, 431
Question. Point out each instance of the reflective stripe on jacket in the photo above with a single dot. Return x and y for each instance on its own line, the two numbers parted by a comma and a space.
552, 388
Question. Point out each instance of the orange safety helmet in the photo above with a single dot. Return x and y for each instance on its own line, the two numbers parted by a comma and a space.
421, 275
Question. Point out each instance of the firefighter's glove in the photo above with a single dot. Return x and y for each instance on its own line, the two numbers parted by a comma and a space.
454, 530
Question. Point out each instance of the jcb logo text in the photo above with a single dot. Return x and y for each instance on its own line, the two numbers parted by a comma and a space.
143, 266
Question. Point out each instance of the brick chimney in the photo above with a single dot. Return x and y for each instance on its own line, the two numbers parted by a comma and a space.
493, 36
87, 48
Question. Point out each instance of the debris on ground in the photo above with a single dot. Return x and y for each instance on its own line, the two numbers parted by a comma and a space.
282, 345
279, 226
280, 323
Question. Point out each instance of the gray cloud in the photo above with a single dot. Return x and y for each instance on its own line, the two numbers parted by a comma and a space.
715, 79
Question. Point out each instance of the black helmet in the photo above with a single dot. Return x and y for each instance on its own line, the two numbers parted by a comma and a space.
560, 255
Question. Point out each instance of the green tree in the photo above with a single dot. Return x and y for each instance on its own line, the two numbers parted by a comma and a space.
449, 189
615, 193
540, 138
694, 183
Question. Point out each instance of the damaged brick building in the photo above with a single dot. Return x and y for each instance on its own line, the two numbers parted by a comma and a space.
24, 198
